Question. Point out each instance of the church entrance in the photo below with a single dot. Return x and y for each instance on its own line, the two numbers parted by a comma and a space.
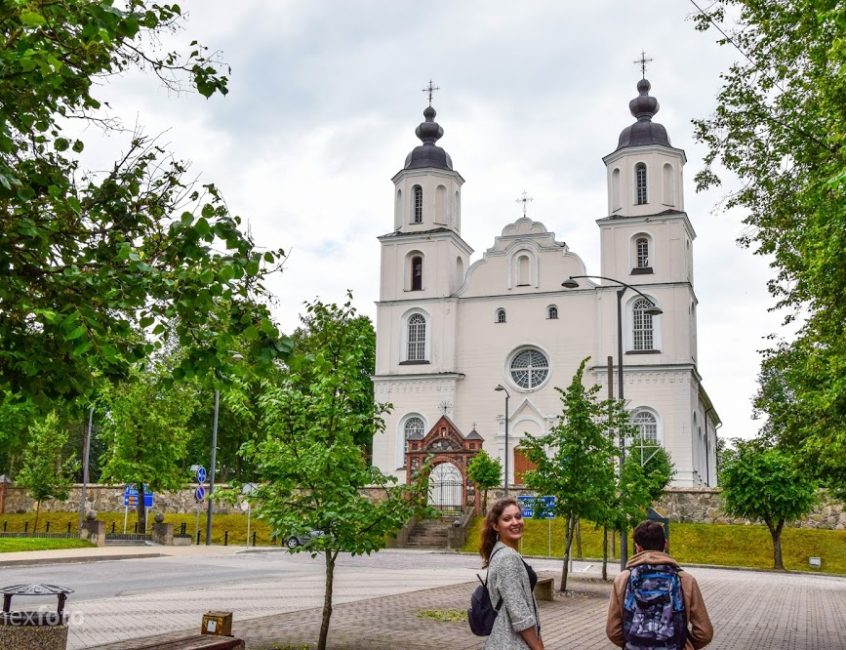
446, 487
521, 466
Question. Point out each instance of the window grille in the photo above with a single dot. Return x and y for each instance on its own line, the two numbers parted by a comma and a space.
500, 315
642, 250
553, 312
642, 325
418, 205
529, 368
640, 183
647, 426
416, 338
413, 429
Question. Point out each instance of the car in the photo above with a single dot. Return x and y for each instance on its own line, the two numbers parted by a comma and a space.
302, 540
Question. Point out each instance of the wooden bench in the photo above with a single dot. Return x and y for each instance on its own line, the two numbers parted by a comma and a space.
194, 642
544, 589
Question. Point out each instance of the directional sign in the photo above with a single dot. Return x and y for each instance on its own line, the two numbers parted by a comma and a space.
200, 494
130, 498
528, 503
201, 474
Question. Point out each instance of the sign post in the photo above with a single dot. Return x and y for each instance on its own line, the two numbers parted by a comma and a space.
545, 510
199, 496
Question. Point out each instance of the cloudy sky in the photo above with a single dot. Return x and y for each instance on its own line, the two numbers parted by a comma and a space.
325, 96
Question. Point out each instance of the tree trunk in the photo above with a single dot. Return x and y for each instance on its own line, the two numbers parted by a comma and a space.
327, 599
142, 511
485, 502
579, 539
776, 535
37, 511
568, 543
605, 552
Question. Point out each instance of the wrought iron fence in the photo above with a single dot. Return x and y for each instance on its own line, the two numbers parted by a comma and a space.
446, 495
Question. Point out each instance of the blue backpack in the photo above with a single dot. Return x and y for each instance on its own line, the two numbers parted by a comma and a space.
653, 608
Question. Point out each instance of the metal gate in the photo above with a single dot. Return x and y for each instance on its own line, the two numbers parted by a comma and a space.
446, 488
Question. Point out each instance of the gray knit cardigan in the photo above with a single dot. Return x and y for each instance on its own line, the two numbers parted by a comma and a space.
508, 579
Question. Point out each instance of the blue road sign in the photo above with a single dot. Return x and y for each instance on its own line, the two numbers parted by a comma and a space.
201, 474
528, 503
199, 494
130, 497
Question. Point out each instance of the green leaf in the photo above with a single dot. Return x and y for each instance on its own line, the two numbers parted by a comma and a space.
32, 19
76, 333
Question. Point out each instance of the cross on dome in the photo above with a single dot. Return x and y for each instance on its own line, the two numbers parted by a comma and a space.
524, 199
431, 88
642, 61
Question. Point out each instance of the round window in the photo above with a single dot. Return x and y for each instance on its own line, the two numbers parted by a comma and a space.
529, 368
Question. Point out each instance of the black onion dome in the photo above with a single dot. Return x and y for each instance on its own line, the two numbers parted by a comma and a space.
428, 154
644, 131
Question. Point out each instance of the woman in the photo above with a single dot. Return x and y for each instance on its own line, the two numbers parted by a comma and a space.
510, 580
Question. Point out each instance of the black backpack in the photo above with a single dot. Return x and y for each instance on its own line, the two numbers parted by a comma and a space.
482, 613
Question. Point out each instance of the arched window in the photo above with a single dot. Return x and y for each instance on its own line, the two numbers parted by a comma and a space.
500, 315
640, 184
523, 275
615, 190
669, 189
642, 253
417, 273
416, 338
417, 212
642, 325
552, 312
646, 425
440, 204
529, 368
413, 429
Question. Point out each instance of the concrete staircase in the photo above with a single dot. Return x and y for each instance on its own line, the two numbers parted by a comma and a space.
431, 533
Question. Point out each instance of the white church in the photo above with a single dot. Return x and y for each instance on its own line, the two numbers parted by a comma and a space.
449, 332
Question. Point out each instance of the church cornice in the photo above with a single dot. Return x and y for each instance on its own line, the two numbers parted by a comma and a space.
660, 217
428, 171
642, 149
418, 377
433, 234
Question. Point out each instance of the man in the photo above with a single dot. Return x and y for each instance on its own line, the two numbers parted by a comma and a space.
654, 604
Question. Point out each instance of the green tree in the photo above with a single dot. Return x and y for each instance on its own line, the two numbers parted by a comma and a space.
146, 432
46, 474
573, 461
311, 458
97, 270
485, 473
763, 482
780, 127
15, 417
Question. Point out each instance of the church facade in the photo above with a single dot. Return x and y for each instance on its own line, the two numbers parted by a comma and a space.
457, 342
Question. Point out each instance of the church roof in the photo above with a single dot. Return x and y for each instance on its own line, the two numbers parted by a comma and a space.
644, 131
428, 154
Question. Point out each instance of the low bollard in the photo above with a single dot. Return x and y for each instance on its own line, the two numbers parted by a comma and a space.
254, 539
34, 629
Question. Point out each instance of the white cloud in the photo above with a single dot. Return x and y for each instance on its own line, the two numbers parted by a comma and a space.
325, 97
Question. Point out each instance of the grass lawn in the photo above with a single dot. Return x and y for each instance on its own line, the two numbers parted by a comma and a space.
234, 524
743, 546
11, 544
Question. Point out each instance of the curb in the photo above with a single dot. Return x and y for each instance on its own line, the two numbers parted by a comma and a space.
79, 559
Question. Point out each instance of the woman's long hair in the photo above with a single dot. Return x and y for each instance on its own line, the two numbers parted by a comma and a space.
489, 536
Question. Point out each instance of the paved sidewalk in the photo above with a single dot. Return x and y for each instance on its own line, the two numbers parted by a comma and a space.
750, 611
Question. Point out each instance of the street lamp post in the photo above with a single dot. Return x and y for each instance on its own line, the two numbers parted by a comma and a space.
212, 467
500, 387
654, 310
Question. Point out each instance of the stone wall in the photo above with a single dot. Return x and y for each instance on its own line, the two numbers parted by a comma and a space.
686, 505
109, 498
702, 505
